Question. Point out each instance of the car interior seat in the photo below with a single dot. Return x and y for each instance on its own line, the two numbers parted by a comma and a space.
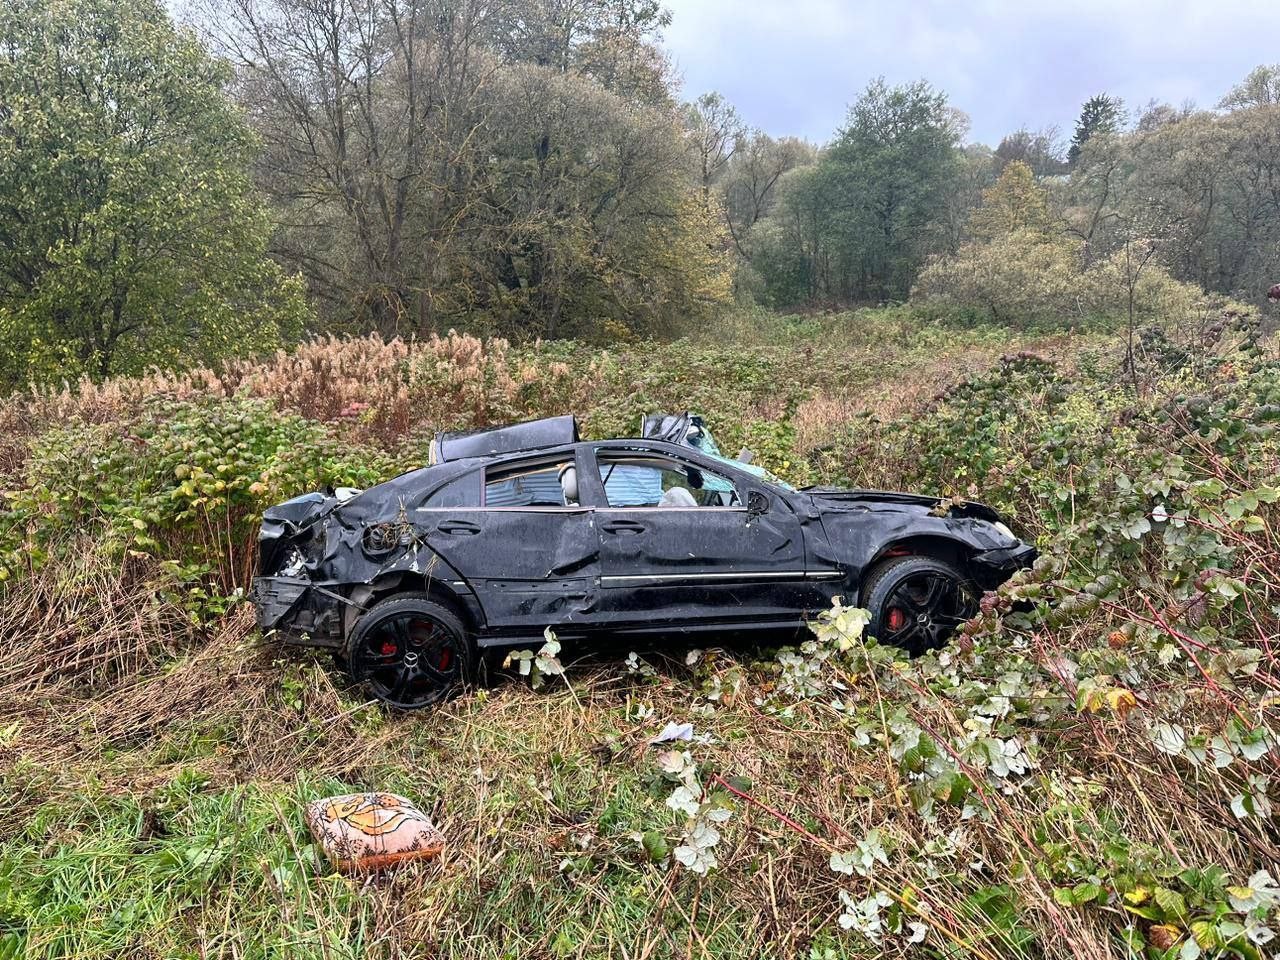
678, 497
569, 484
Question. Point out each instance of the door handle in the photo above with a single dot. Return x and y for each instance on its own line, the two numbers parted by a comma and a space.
622, 526
458, 528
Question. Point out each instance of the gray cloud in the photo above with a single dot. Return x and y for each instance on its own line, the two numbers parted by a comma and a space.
793, 66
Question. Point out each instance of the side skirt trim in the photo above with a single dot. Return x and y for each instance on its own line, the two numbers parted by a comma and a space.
655, 578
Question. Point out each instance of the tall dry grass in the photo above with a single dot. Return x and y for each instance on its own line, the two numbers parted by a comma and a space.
381, 390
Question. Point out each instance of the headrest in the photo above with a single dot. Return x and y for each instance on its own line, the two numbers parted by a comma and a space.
569, 482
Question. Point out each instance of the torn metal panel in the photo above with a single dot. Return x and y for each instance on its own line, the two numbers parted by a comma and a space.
528, 567
462, 445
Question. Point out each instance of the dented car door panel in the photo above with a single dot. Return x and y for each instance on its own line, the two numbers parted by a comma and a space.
696, 564
702, 564
530, 566
530, 554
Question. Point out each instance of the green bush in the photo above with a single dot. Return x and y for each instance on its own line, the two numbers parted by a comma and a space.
1028, 279
185, 481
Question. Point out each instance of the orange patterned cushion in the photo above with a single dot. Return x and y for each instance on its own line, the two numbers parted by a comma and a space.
361, 832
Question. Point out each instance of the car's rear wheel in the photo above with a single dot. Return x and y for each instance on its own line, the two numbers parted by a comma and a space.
411, 652
917, 603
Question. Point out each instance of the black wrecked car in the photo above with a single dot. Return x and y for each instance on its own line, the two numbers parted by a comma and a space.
513, 530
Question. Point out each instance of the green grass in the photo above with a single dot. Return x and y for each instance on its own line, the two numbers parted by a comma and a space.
192, 842
156, 754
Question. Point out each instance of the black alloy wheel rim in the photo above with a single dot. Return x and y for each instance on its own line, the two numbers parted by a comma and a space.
410, 660
923, 610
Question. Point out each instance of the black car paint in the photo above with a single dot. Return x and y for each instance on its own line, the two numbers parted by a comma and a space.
772, 561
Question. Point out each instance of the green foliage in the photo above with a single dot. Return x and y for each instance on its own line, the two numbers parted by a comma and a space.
1101, 116
1038, 149
104, 881
1017, 278
859, 223
132, 233
1095, 752
516, 169
1261, 88
1145, 617
1190, 185
185, 482
888, 168
555, 259
1014, 204
1030, 278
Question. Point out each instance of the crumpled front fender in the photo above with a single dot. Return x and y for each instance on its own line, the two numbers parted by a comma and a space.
999, 564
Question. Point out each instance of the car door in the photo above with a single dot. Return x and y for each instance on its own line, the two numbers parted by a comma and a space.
529, 554
680, 547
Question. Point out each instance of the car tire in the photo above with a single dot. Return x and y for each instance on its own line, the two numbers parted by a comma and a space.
411, 652
916, 603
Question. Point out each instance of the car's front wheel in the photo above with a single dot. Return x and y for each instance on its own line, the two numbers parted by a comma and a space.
917, 603
411, 652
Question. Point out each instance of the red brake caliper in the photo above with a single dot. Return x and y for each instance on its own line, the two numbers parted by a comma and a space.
446, 658
896, 619
388, 648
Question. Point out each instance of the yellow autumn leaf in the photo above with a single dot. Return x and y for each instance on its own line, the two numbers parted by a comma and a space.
1093, 701
1137, 896
1121, 701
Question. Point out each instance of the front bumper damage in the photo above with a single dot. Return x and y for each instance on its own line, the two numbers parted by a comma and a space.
299, 610
1001, 563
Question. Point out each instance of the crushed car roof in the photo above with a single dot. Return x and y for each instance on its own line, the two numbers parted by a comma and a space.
685, 428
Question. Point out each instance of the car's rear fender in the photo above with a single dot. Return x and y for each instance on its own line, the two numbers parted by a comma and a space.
443, 586
347, 570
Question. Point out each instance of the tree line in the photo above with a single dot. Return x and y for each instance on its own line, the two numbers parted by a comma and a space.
898, 189
276, 168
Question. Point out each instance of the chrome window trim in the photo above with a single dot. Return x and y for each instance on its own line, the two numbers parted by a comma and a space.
658, 508
516, 509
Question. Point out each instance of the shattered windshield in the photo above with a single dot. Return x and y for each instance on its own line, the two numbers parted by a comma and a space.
759, 472
699, 437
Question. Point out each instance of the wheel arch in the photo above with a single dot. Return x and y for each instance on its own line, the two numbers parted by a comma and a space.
398, 582
952, 550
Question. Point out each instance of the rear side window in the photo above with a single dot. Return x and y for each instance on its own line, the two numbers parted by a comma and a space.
529, 486
460, 492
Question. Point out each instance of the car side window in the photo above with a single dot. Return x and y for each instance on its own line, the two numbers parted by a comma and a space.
651, 481
542, 485
463, 491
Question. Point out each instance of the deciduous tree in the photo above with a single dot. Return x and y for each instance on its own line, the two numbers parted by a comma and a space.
1038, 149
886, 176
1014, 203
715, 130
750, 185
129, 230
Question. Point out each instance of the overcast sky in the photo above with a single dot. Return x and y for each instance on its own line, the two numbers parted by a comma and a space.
793, 66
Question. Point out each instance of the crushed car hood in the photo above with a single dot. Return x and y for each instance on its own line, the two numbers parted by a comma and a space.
300, 511
836, 498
